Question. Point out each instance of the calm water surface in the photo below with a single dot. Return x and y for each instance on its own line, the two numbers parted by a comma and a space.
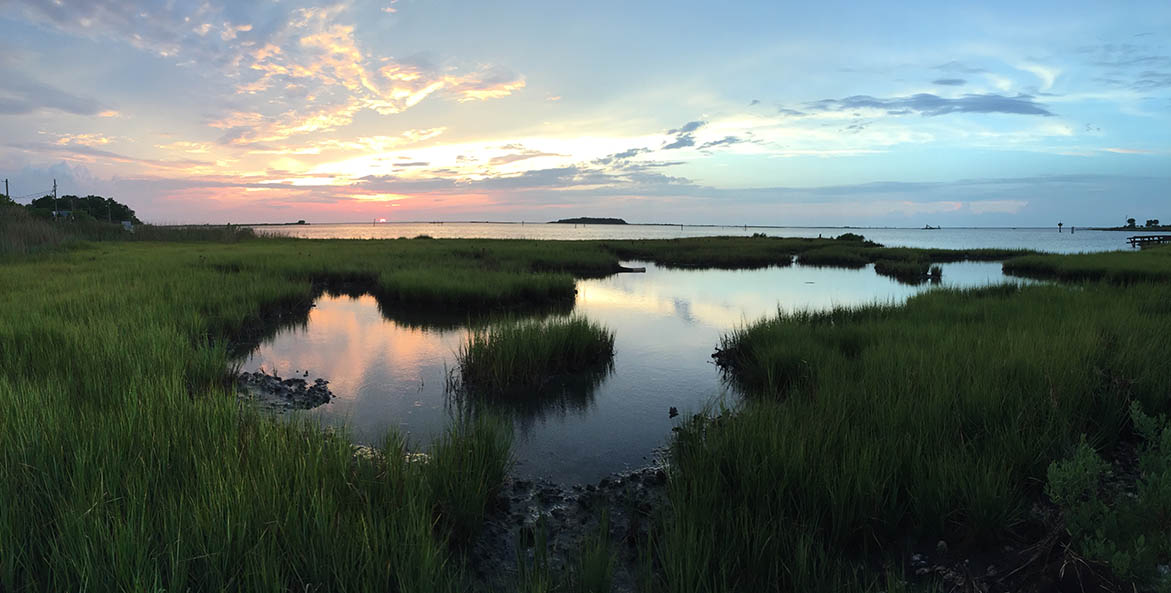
1046, 239
391, 374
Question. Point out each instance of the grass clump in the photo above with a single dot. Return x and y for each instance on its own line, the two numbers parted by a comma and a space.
916, 271
1152, 264
713, 252
865, 428
517, 357
837, 256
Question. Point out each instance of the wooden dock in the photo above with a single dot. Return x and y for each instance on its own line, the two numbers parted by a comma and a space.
1145, 240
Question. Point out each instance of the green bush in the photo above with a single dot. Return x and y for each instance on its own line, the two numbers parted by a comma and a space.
1127, 531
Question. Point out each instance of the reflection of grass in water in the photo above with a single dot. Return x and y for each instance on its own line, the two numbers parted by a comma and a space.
560, 396
913, 272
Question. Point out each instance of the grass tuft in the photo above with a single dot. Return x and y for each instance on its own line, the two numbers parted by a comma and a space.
515, 358
915, 271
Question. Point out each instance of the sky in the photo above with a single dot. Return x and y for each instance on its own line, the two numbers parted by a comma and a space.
766, 113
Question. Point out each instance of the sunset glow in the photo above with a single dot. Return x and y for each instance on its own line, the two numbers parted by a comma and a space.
760, 112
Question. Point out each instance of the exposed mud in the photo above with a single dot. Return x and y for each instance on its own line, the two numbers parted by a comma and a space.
530, 512
275, 393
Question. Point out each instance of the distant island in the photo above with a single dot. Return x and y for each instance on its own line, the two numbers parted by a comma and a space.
1152, 224
589, 220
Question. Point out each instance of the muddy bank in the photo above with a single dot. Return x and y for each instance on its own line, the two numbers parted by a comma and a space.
567, 515
274, 393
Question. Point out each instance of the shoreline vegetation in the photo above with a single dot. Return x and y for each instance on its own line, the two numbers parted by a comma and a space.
1134, 229
972, 435
589, 220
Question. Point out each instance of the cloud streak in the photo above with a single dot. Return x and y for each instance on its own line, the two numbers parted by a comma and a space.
930, 105
21, 95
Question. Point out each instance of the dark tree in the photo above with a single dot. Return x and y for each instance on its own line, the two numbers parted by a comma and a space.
105, 209
1130, 223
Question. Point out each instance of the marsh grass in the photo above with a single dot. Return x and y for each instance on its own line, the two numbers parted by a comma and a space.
468, 464
128, 465
916, 271
23, 234
515, 358
866, 427
838, 256
594, 570
589, 570
1152, 264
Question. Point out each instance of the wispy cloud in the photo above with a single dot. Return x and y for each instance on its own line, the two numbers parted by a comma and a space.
21, 94
928, 104
1128, 151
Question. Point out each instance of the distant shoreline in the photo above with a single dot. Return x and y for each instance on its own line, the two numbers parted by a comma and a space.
1164, 228
689, 225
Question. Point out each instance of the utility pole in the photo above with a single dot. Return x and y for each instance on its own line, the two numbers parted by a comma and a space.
6, 194
56, 209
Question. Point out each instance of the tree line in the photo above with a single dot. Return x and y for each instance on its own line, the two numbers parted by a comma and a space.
78, 208
1151, 222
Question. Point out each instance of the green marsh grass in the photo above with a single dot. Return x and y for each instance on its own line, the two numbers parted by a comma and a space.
915, 271
863, 428
594, 571
838, 256
515, 358
128, 464
1152, 264
22, 233
590, 570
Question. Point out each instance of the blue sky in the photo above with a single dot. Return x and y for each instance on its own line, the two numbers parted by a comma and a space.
1001, 114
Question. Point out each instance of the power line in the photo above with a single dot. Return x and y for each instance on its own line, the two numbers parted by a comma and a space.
36, 194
